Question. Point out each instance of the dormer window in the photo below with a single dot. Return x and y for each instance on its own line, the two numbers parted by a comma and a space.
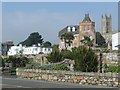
68, 29
73, 29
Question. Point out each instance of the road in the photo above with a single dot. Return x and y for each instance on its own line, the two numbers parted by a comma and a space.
23, 83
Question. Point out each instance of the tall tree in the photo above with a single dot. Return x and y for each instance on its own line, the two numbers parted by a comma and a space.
67, 37
33, 39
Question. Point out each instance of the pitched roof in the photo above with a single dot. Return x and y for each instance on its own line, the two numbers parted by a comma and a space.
86, 18
64, 30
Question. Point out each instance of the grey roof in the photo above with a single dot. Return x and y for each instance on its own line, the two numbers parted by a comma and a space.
118, 46
86, 18
64, 30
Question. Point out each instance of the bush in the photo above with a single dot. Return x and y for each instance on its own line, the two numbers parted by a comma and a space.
67, 54
60, 67
105, 50
17, 61
85, 59
13, 71
112, 69
55, 56
54, 67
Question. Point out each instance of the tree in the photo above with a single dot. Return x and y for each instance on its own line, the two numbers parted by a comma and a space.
47, 44
85, 59
67, 37
33, 39
55, 46
87, 41
100, 39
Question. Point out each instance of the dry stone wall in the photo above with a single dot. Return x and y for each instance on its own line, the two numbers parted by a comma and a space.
106, 79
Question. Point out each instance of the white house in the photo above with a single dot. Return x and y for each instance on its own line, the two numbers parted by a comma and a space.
115, 41
14, 50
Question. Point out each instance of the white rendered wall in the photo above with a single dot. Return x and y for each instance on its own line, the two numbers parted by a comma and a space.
115, 41
28, 50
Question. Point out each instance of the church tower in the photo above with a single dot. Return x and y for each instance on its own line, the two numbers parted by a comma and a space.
107, 30
106, 24
87, 28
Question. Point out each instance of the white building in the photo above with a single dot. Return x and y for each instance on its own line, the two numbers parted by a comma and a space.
115, 41
15, 50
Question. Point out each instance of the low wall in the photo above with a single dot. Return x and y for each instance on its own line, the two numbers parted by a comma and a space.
106, 79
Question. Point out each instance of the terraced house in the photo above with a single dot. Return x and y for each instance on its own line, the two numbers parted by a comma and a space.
85, 28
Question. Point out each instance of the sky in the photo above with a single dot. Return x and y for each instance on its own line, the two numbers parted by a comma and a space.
19, 19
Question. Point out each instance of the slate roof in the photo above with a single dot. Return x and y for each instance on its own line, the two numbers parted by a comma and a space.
64, 30
86, 18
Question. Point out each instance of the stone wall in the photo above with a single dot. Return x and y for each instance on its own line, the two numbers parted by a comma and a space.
106, 79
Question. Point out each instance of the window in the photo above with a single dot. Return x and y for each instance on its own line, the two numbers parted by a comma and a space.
84, 28
88, 27
45, 49
48, 49
75, 37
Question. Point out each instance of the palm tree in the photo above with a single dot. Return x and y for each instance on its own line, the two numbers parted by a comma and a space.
67, 37
87, 41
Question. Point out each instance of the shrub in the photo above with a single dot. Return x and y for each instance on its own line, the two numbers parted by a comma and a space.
60, 67
85, 59
55, 56
13, 71
17, 61
67, 54
112, 69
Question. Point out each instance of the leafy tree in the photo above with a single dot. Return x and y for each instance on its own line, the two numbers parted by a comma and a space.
100, 39
47, 44
33, 39
55, 56
67, 37
85, 59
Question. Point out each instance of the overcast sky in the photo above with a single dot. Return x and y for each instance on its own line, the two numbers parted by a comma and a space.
21, 19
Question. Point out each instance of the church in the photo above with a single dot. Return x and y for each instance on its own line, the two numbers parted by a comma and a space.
85, 28
107, 31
